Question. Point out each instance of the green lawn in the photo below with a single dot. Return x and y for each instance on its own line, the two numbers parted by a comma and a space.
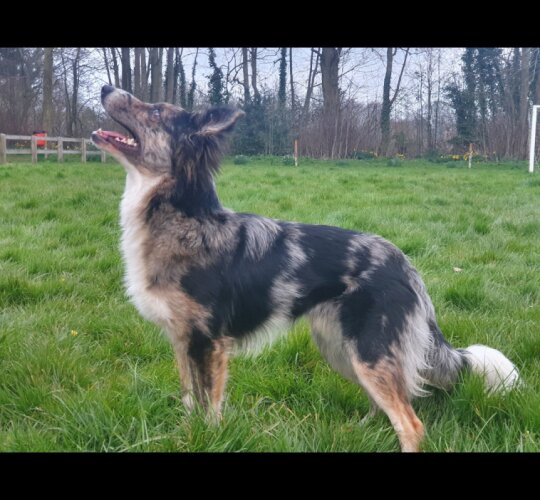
81, 370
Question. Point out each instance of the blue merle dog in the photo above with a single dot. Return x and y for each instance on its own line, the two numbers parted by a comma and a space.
219, 282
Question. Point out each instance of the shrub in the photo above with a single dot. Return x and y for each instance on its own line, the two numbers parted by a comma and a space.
364, 155
287, 160
240, 160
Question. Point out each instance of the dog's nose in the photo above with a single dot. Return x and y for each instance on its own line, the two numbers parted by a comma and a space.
106, 90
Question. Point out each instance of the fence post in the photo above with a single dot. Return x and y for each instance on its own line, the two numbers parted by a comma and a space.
3, 149
296, 152
83, 150
60, 148
103, 156
33, 147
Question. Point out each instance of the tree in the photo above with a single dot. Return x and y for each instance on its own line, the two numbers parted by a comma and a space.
293, 98
179, 70
523, 103
310, 81
47, 120
256, 94
388, 101
107, 67
282, 92
329, 61
156, 85
115, 67
215, 80
137, 73
245, 72
126, 69
169, 76
193, 85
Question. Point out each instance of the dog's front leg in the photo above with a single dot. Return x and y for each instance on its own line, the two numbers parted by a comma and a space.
202, 363
184, 370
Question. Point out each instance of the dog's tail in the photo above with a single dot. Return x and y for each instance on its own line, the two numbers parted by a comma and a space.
446, 362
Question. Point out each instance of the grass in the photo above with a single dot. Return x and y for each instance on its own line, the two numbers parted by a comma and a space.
80, 370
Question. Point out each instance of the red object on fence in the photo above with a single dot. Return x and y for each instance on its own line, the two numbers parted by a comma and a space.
40, 144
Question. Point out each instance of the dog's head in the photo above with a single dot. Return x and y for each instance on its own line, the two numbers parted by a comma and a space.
166, 139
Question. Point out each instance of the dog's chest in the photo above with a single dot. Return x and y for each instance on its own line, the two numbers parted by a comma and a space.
135, 234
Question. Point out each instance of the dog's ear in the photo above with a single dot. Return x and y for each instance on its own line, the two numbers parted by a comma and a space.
217, 121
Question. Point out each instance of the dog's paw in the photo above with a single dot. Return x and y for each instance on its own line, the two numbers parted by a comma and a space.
189, 402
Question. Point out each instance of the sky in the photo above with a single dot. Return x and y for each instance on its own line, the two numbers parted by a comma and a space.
362, 70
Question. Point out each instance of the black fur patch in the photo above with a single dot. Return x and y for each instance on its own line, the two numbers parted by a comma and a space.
236, 289
375, 314
320, 278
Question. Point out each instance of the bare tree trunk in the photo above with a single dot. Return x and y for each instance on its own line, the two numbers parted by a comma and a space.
75, 93
429, 84
386, 107
435, 143
536, 94
330, 88
156, 86
169, 76
144, 76
126, 69
256, 94
176, 73
137, 73
193, 85
106, 59
293, 99
524, 102
47, 119
310, 82
115, 68
421, 121
181, 99
245, 71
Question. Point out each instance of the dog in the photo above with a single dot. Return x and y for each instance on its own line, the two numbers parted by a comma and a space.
219, 282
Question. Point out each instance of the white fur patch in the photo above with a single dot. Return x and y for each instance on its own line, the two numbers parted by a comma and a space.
416, 341
134, 233
499, 372
254, 343
260, 233
327, 334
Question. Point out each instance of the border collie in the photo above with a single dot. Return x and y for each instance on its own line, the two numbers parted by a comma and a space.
218, 282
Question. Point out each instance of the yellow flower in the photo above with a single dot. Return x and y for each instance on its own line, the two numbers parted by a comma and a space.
74, 333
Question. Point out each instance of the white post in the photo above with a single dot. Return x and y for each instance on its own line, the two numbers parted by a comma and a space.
533, 137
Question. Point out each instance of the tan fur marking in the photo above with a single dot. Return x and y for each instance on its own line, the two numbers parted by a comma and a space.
218, 369
383, 382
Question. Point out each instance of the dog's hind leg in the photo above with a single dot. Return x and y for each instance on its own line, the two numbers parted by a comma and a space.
384, 383
383, 378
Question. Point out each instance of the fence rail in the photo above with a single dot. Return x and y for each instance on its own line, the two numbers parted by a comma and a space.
34, 150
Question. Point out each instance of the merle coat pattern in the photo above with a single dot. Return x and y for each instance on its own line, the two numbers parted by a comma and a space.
218, 282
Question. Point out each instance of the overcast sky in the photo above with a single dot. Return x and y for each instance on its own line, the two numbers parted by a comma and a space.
362, 69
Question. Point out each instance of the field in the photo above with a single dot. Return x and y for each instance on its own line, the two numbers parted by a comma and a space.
80, 370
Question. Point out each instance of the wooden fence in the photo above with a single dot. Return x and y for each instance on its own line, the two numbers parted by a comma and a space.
59, 150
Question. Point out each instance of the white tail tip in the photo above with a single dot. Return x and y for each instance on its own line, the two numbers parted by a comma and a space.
499, 372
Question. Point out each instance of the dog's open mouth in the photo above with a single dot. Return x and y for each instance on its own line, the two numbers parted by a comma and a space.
119, 141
